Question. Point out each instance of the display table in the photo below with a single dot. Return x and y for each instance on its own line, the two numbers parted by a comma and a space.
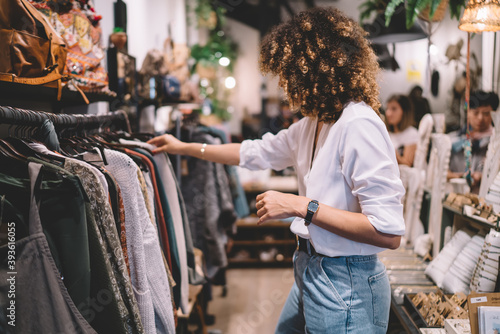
406, 276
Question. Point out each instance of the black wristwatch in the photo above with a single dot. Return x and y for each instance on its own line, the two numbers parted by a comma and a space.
312, 207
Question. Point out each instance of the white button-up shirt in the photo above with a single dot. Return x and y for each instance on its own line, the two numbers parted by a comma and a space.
354, 169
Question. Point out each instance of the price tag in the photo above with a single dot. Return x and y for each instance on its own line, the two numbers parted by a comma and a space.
479, 300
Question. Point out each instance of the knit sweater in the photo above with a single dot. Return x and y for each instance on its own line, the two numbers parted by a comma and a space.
149, 277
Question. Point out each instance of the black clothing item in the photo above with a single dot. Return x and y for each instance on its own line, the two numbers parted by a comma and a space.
36, 279
71, 233
62, 212
209, 205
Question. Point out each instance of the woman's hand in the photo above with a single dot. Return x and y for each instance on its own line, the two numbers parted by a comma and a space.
167, 143
276, 205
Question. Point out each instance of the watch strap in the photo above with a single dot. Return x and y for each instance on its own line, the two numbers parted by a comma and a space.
310, 214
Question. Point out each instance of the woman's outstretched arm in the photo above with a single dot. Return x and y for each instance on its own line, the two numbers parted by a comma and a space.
228, 154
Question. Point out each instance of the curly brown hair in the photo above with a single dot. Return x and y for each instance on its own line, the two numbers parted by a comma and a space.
323, 61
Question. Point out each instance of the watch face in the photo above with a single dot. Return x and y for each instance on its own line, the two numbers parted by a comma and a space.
312, 206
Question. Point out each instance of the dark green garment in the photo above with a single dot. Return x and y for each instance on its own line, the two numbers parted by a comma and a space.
101, 307
114, 200
174, 252
40, 295
62, 211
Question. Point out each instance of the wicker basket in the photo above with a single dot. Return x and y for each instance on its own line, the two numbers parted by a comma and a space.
438, 14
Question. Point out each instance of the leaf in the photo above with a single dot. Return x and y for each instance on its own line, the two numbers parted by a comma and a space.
366, 10
413, 7
370, 6
434, 6
456, 8
389, 11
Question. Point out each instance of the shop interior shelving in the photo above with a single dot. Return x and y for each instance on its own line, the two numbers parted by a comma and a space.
274, 238
45, 98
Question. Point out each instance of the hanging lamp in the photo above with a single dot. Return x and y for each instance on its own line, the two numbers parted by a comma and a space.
481, 15
478, 16
396, 32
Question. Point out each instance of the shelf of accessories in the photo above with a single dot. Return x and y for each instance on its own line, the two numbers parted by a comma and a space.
453, 217
19, 95
405, 271
271, 244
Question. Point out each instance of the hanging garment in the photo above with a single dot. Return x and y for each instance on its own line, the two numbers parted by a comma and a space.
103, 215
210, 210
116, 200
62, 212
36, 276
164, 223
47, 135
168, 196
105, 316
149, 278
151, 194
91, 181
238, 193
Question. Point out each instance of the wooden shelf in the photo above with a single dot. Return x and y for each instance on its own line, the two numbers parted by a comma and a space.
251, 222
251, 262
404, 317
263, 242
473, 221
16, 94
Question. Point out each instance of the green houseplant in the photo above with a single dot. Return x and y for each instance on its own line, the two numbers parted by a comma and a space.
425, 9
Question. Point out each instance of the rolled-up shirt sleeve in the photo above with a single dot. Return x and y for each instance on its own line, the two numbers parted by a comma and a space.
272, 151
370, 168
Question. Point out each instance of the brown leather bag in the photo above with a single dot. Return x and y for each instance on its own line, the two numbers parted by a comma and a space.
31, 52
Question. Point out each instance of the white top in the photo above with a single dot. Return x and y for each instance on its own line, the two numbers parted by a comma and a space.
354, 169
170, 187
408, 136
147, 270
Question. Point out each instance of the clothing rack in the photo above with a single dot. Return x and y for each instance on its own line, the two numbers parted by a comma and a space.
24, 117
180, 112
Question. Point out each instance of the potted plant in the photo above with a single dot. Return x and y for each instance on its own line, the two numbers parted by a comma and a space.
118, 38
428, 10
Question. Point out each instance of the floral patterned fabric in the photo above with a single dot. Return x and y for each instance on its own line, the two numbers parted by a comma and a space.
104, 218
120, 219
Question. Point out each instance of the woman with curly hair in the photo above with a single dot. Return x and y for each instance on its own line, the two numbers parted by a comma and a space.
349, 203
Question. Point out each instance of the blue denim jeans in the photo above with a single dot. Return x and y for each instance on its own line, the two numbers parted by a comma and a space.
337, 295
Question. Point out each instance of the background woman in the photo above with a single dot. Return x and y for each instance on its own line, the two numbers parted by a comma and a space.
404, 136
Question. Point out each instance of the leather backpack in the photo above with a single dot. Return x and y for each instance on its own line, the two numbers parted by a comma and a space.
31, 51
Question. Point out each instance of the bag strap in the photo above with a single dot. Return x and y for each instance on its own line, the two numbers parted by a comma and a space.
51, 77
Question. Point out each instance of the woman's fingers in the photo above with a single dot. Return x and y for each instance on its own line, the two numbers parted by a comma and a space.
157, 140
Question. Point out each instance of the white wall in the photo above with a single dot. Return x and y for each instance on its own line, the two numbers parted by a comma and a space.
412, 56
147, 23
246, 94
490, 66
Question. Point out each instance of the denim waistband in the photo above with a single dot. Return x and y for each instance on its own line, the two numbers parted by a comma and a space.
304, 245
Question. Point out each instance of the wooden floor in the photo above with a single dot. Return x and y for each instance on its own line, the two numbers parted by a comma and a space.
253, 301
